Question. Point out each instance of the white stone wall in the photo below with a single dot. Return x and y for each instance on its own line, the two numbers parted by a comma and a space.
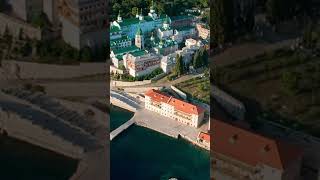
179, 92
270, 173
134, 73
230, 104
29, 70
128, 84
70, 33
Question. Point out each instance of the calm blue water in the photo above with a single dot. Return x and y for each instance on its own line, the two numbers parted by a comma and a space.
23, 161
140, 153
119, 116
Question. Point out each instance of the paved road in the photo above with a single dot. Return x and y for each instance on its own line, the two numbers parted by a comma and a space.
166, 125
165, 83
76, 89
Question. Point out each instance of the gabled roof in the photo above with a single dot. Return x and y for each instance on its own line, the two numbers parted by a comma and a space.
251, 148
179, 105
114, 29
204, 136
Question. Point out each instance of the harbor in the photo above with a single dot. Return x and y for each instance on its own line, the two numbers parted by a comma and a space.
156, 122
137, 147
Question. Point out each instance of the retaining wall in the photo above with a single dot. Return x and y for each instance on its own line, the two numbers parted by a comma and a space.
30, 70
179, 92
128, 84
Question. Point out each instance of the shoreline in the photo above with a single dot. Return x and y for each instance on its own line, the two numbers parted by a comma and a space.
173, 134
179, 136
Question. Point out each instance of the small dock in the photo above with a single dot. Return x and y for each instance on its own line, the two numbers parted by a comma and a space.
121, 128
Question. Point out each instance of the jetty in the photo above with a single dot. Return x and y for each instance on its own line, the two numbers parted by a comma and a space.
120, 129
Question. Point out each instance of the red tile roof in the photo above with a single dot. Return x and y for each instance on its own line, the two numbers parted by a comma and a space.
179, 105
252, 148
204, 136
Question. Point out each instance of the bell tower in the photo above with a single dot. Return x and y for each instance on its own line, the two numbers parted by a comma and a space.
139, 40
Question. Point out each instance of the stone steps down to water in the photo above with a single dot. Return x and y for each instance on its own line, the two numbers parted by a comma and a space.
52, 106
51, 124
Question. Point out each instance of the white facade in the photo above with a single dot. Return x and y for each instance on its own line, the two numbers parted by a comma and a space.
172, 111
84, 22
142, 64
168, 62
165, 33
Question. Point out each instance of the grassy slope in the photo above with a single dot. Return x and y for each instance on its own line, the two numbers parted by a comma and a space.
259, 83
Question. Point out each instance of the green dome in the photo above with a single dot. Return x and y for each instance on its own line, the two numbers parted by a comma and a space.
166, 20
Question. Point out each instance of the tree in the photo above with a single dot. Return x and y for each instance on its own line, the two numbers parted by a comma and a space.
197, 60
204, 57
86, 54
307, 36
249, 20
160, 8
279, 10
186, 67
21, 35
289, 82
134, 11
221, 20
26, 49
122, 67
40, 20
2, 5
6, 34
179, 65
272, 11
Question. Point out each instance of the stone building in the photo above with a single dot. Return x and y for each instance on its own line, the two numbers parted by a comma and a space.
140, 63
173, 108
239, 153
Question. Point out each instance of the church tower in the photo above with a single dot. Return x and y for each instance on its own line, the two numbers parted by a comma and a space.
166, 23
119, 19
139, 41
141, 15
152, 12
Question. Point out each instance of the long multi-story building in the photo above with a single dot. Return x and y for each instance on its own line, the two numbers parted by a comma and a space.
173, 108
239, 153
84, 22
80, 23
182, 21
140, 63
165, 47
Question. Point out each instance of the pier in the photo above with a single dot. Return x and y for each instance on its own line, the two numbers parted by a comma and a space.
120, 129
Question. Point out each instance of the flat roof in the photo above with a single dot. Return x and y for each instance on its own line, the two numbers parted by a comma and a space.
125, 50
138, 53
